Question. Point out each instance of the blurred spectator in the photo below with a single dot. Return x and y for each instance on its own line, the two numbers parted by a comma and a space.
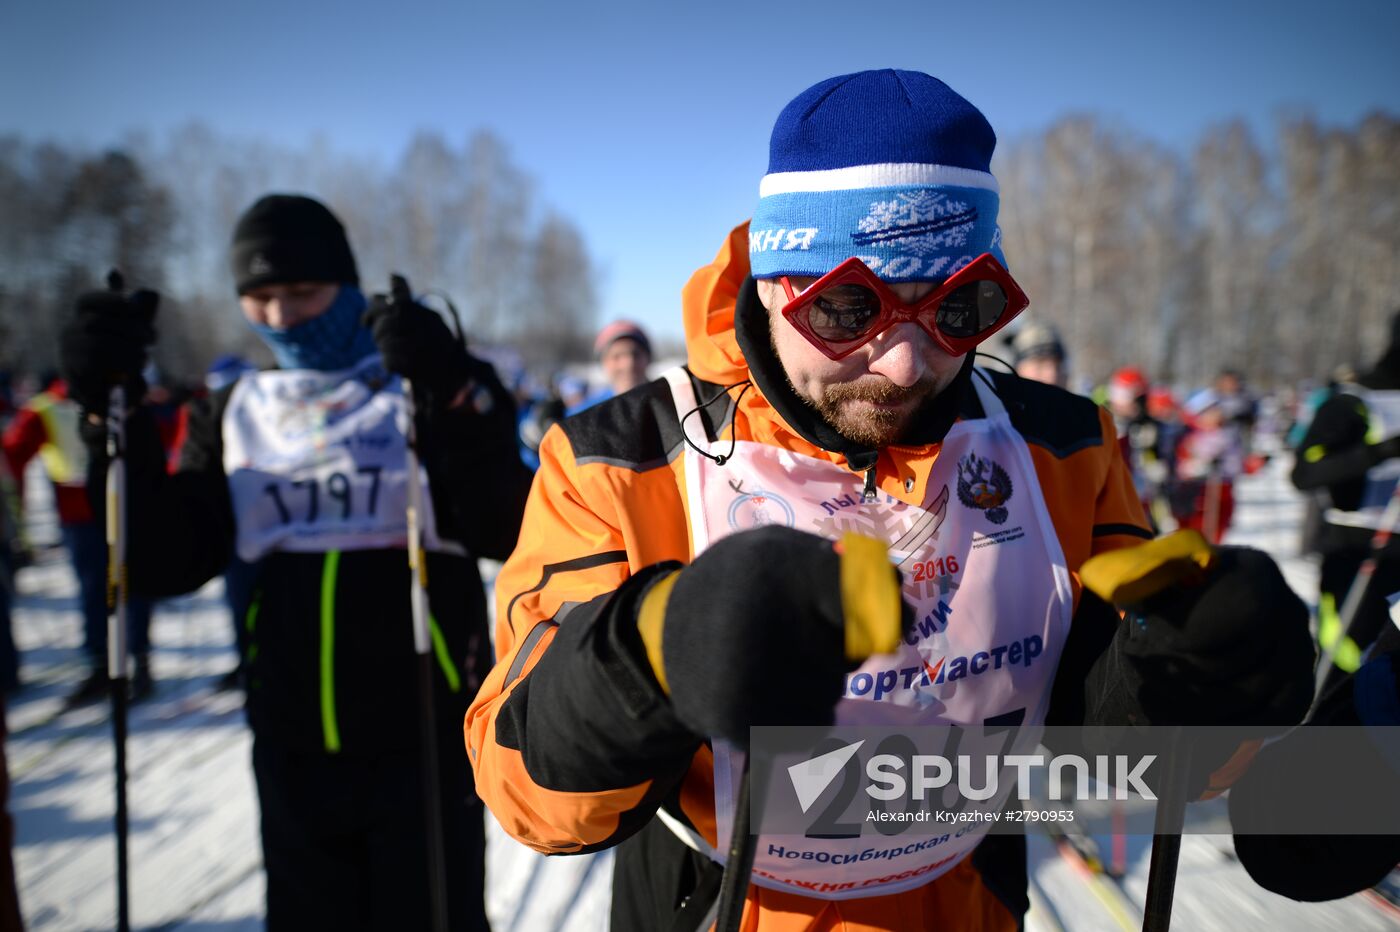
1038, 354
1145, 446
1210, 457
47, 426
624, 353
1237, 404
1349, 458
1343, 378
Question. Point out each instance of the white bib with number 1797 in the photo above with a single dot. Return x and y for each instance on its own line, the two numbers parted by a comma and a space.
317, 461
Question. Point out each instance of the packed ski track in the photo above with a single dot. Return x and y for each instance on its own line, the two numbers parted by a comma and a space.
195, 855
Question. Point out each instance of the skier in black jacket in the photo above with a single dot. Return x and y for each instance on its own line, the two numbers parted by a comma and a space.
1349, 458
301, 470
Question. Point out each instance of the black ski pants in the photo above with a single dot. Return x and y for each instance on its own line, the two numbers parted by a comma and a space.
343, 839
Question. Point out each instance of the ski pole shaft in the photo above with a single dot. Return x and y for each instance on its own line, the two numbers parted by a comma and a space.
1360, 587
738, 865
422, 643
1166, 837
432, 795
116, 629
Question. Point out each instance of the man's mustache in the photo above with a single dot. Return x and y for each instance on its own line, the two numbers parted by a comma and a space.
878, 391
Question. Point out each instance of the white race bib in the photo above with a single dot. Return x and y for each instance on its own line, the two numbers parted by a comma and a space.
985, 573
317, 461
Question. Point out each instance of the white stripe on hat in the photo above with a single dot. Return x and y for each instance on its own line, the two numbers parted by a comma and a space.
886, 175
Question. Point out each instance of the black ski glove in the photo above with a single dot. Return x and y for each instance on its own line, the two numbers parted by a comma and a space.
763, 627
1283, 778
1233, 649
415, 343
105, 344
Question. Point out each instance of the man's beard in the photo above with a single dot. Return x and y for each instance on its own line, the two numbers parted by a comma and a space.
872, 426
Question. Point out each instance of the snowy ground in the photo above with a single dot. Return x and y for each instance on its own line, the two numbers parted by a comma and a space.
195, 855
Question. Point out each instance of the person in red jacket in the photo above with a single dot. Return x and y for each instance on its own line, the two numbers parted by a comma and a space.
47, 426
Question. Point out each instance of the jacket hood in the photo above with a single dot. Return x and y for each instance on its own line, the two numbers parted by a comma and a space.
707, 302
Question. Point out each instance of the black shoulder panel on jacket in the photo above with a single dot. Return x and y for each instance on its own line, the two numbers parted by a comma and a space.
1052, 418
639, 430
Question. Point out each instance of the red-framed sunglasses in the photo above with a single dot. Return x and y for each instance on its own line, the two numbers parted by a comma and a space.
849, 306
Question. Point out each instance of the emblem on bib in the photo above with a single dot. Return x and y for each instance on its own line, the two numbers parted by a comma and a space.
984, 486
757, 508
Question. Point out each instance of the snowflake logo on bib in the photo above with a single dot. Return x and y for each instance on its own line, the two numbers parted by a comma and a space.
985, 486
922, 222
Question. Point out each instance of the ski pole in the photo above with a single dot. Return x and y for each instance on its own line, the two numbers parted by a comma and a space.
874, 636
1166, 836
1125, 578
116, 627
738, 865
422, 644
1390, 521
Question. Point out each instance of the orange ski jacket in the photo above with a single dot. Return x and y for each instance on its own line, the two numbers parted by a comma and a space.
574, 749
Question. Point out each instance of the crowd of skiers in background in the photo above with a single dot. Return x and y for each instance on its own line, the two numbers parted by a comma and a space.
1186, 449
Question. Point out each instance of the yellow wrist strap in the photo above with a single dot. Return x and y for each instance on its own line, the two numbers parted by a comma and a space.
1129, 575
651, 619
870, 599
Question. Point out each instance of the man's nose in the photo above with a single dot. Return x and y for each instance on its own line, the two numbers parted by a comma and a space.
275, 314
900, 354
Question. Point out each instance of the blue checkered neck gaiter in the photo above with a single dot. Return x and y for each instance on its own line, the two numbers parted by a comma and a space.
334, 339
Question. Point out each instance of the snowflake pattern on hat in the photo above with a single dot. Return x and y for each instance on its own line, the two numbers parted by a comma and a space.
919, 222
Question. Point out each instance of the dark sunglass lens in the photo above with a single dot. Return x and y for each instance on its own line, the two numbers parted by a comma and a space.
843, 313
969, 310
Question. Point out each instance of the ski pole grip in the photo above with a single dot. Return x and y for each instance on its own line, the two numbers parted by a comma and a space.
1132, 574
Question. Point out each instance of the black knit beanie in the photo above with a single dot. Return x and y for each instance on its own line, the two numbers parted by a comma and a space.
290, 238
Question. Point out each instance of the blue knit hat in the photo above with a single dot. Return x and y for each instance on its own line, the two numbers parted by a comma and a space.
891, 166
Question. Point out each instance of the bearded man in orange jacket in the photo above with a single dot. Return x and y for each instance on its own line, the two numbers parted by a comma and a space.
675, 582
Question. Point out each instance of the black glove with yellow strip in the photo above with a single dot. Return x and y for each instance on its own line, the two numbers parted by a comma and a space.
1210, 636
762, 628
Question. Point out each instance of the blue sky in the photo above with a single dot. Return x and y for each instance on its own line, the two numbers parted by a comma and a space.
647, 124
